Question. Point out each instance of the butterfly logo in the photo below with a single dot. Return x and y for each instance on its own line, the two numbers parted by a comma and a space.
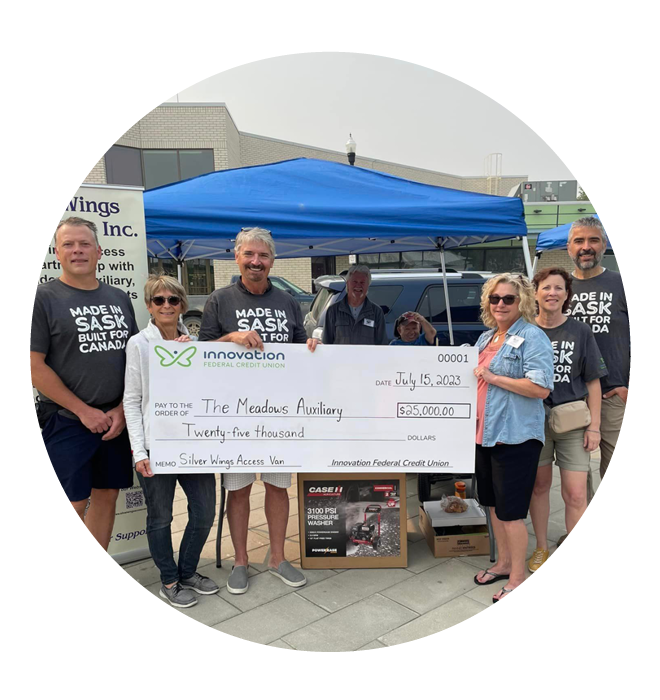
167, 359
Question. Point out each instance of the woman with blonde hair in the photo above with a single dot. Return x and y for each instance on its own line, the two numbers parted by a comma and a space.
166, 301
515, 374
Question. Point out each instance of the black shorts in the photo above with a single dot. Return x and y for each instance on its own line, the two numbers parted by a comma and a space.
505, 477
83, 461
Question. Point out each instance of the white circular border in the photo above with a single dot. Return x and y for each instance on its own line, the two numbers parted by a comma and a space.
81, 79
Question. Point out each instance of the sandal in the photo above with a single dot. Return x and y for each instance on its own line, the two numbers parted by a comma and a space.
495, 577
504, 591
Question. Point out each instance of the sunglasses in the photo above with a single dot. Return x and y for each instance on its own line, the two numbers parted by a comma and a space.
508, 299
172, 301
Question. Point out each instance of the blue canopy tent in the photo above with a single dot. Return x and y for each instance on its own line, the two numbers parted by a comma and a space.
553, 239
317, 208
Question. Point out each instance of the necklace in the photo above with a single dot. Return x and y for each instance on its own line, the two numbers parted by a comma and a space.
497, 337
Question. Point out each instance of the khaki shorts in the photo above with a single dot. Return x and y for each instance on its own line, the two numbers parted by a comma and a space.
236, 481
566, 450
611, 418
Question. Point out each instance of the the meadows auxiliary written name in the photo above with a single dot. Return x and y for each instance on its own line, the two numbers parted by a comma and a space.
244, 407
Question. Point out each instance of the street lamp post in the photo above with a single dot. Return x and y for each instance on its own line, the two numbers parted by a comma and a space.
350, 149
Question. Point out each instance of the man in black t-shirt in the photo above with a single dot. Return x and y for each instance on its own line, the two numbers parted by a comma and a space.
250, 313
80, 327
600, 301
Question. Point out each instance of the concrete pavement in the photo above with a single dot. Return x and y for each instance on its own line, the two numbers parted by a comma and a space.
341, 610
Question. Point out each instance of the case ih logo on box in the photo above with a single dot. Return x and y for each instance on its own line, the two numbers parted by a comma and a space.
325, 490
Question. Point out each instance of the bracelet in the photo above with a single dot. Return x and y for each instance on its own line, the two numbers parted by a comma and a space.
591, 431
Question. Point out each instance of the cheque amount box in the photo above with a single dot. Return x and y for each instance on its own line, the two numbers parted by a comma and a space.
434, 410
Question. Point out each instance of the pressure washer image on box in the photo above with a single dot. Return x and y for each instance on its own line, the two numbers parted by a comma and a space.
352, 518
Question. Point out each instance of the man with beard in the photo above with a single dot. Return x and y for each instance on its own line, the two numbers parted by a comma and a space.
252, 312
355, 320
599, 300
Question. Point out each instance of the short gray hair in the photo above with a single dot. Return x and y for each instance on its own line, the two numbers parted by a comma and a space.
262, 235
77, 221
589, 222
358, 268
156, 283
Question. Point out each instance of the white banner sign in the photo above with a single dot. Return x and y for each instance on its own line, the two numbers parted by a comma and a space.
217, 407
118, 213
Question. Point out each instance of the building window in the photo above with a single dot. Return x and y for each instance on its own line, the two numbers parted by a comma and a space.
194, 163
323, 265
504, 260
162, 167
196, 275
456, 259
123, 166
163, 266
151, 168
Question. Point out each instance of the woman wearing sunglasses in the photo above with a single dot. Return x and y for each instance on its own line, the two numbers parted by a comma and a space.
166, 301
572, 427
515, 375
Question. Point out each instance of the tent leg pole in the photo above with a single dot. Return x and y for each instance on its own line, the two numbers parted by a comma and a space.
179, 265
528, 259
537, 257
444, 284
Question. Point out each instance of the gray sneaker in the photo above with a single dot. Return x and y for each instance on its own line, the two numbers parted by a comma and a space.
177, 596
289, 574
200, 584
237, 582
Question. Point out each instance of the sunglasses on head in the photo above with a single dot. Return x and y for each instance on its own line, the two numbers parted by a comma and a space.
508, 299
172, 301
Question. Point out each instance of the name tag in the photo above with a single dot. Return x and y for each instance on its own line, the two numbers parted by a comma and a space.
515, 341
369, 322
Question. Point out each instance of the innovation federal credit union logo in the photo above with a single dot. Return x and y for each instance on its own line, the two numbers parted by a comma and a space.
168, 359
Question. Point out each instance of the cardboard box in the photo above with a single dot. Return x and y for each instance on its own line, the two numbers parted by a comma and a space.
454, 541
352, 521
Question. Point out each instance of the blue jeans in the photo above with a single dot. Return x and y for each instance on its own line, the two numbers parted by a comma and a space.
159, 496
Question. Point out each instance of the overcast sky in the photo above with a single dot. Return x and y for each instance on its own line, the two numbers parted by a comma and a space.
396, 111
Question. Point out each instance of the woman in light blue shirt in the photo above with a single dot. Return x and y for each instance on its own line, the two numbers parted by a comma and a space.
515, 374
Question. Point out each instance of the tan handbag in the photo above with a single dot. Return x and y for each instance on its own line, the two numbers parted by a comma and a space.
569, 416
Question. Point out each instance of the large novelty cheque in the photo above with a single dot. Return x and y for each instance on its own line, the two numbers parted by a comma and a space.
217, 407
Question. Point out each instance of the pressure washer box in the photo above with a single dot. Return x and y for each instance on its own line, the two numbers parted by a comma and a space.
352, 521
458, 541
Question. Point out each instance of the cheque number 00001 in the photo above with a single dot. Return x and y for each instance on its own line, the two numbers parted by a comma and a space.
450, 357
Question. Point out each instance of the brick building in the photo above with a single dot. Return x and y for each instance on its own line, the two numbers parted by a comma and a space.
180, 140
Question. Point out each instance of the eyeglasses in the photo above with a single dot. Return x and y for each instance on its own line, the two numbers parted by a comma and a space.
172, 301
508, 299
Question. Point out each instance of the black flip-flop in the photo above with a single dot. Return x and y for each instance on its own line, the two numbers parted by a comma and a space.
505, 591
496, 577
